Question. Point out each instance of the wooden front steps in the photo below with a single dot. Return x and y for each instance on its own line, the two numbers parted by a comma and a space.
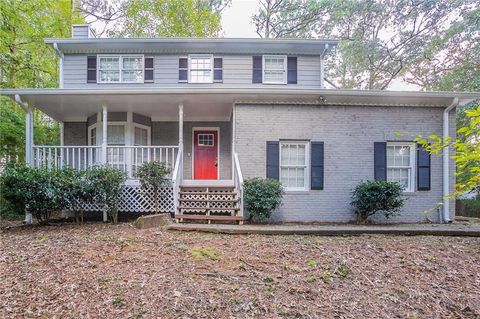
204, 203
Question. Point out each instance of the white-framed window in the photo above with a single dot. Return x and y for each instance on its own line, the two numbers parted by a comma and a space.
140, 137
200, 68
275, 69
93, 136
205, 140
116, 134
120, 68
294, 165
401, 164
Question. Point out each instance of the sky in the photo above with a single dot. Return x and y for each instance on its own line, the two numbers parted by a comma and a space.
236, 19
236, 23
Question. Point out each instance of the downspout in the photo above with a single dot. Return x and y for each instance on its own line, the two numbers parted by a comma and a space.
60, 69
446, 163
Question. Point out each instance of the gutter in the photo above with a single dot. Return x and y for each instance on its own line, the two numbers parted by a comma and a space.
60, 70
446, 163
22, 104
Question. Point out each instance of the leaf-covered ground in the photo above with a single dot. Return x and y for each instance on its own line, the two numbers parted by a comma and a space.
105, 271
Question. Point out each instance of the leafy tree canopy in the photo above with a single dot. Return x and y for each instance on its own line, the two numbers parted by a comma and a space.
430, 43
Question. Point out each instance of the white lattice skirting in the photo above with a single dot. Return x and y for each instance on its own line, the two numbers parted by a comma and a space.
138, 200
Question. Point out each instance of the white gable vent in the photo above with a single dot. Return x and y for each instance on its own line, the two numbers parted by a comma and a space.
82, 31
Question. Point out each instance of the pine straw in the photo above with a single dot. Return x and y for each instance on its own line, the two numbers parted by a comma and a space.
106, 271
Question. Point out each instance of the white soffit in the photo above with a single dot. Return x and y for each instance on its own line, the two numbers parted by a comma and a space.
213, 103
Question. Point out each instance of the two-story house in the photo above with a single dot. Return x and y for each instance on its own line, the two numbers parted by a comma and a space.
221, 110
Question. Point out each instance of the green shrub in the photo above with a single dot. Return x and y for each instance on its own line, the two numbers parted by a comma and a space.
13, 185
76, 190
38, 190
152, 176
262, 197
106, 184
372, 197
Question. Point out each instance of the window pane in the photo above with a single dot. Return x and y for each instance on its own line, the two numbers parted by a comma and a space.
300, 154
273, 76
300, 177
274, 63
109, 76
132, 63
141, 136
132, 76
116, 135
109, 63
93, 136
284, 158
400, 175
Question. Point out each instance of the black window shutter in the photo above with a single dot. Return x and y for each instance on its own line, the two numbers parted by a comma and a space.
257, 69
92, 69
380, 160
273, 158
183, 70
317, 165
217, 70
423, 169
292, 70
148, 69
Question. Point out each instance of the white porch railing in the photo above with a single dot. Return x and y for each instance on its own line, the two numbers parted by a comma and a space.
125, 158
78, 157
238, 182
177, 179
129, 158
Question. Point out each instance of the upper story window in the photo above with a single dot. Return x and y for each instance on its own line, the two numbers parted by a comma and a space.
200, 70
274, 69
120, 68
401, 164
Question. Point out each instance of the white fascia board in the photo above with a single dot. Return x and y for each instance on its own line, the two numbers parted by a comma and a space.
256, 90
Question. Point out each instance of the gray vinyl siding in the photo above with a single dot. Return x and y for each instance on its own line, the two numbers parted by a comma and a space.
237, 72
80, 31
166, 133
348, 134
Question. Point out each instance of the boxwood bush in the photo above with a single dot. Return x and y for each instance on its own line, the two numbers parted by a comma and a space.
371, 197
262, 197
43, 191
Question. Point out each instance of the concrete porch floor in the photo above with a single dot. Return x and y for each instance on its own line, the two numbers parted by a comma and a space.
455, 229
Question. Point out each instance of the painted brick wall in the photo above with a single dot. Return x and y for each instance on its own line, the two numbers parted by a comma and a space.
75, 133
166, 133
348, 133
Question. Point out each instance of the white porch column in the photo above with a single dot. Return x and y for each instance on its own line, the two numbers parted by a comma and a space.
180, 125
29, 136
104, 145
62, 134
104, 134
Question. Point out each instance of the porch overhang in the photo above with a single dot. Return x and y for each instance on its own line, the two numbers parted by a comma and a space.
214, 104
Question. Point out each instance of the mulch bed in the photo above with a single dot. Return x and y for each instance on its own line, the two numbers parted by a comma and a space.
116, 271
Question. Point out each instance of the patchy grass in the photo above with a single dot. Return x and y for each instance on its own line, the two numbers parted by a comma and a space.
201, 253
117, 271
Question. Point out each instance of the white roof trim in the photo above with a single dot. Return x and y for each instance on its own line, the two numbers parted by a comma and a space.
256, 90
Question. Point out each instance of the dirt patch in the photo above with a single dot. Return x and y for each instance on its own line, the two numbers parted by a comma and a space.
117, 271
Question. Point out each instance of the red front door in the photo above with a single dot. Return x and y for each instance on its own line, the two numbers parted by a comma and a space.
205, 152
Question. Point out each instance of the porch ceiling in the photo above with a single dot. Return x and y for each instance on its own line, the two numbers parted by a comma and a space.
207, 104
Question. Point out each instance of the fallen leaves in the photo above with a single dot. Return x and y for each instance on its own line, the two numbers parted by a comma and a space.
116, 271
